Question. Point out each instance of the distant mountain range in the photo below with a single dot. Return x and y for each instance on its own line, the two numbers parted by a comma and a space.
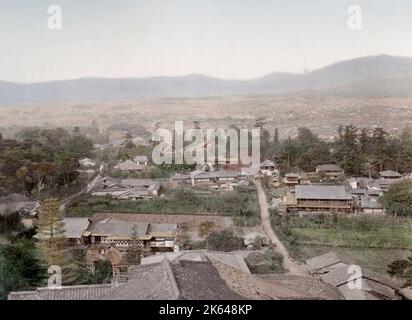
368, 76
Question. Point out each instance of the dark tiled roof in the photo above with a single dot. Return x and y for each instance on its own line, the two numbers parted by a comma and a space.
227, 258
199, 280
149, 282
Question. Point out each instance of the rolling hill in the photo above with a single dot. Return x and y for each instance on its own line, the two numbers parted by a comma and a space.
381, 75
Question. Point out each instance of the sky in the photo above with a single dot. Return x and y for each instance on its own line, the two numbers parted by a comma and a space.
231, 39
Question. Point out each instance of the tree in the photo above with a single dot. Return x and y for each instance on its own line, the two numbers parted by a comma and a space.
379, 146
52, 242
398, 199
224, 241
134, 251
264, 138
20, 268
182, 237
276, 140
103, 272
402, 269
205, 227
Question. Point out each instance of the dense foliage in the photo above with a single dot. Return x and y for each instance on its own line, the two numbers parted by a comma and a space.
20, 268
358, 151
224, 241
41, 160
398, 199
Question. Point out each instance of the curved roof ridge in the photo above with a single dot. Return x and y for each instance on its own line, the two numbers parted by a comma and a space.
166, 266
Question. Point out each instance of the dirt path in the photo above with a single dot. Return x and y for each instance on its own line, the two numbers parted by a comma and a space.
93, 181
288, 263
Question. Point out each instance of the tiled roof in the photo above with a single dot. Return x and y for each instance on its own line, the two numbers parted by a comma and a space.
149, 282
267, 163
332, 270
200, 280
368, 203
139, 182
358, 191
329, 168
74, 227
322, 192
141, 159
190, 280
129, 165
390, 174
231, 259
276, 287
180, 177
323, 261
112, 227
88, 292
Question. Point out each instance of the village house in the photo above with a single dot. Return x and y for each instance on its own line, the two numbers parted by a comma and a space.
332, 171
371, 206
180, 179
111, 232
214, 179
153, 237
330, 269
18, 207
367, 201
136, 165
249, 172
126, 189
291, 179
318, 198
75, 229
87, 163
390, 175
304, 178
269, 169
18, 203
141, 160
200, 177
129, 166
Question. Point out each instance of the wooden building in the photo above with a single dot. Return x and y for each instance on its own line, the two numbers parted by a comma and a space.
332, 171
317, 198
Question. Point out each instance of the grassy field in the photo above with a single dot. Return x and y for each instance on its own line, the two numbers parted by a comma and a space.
242, 205
372, 242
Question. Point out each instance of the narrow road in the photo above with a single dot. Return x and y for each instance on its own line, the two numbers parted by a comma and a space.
289, 264
90, 185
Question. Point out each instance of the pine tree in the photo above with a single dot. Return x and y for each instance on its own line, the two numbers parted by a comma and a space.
276, 140
52, 242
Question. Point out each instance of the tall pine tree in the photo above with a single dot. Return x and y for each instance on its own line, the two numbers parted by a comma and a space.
52, 242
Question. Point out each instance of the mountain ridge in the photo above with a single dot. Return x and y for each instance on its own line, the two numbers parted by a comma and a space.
371, 75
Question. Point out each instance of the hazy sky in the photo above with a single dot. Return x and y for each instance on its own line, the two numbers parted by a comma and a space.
222, 38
